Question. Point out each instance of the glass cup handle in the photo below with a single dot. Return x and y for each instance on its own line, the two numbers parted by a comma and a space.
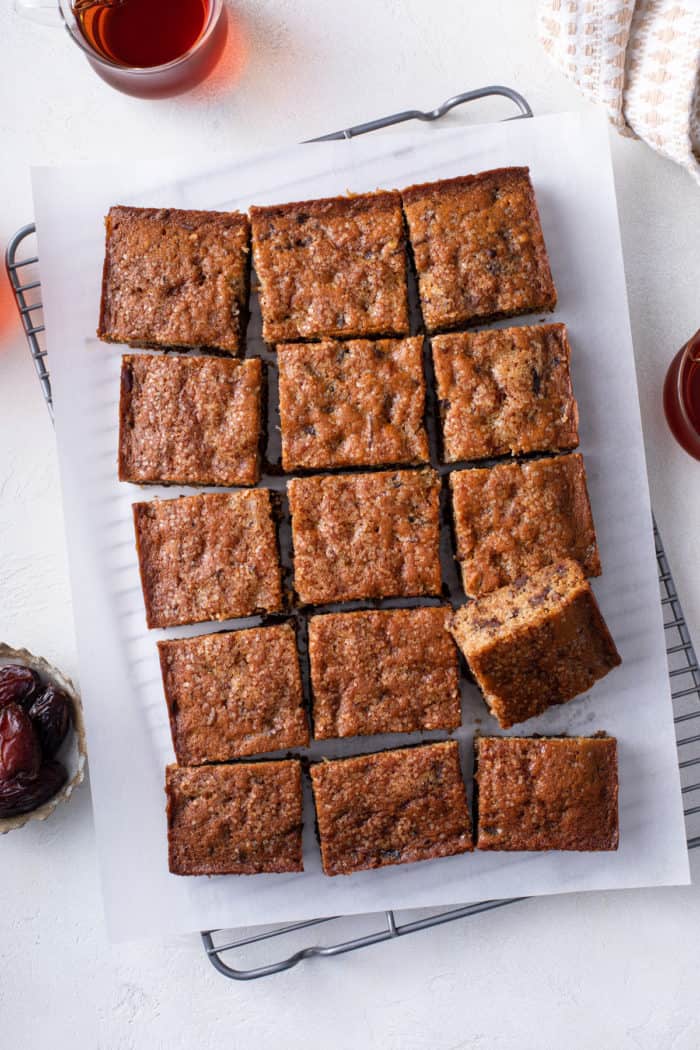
46, 12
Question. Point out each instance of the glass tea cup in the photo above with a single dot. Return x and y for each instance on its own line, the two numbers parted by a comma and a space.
682, 396
167, 78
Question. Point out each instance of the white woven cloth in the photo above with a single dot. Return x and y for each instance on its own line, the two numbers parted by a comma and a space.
641, 60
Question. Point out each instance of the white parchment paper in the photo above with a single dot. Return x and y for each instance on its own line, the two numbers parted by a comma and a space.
128, 736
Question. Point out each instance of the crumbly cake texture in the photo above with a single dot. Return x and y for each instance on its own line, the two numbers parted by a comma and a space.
539, 642
478, 248
240, 819
392, 807
503, 391
331, 267
233, 694
208, 557
383, 671
366, 535
190, 420
175, 278
352, 404
513, 519
547, 793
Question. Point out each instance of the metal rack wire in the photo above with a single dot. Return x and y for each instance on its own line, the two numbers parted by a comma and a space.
339, 933
26, 286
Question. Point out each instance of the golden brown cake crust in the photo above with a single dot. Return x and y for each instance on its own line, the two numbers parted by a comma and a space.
478, 248
233, 694
175, 278
208, 557
393, 807
189, 420
513, 519
352, 404
331, 267
539, 642
383, 671
549, 793
366, 535
240, 819
503, 391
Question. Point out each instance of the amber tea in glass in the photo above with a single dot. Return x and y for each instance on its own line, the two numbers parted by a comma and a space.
147, 48
143, 33
682, 396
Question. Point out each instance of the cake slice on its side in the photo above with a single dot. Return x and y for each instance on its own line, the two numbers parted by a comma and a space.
538, 642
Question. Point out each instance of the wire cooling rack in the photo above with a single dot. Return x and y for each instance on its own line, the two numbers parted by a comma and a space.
262, 951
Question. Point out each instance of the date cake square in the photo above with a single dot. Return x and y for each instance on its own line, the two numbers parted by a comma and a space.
504, 391
331, 267
514, 518
190, 420
241, 819
538, 642
546, 793
383, 671
478, 248
366, 535
208, 557
391, 807
358, 403
175, 278
233, 694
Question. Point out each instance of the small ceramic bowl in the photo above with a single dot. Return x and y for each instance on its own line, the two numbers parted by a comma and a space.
72, 752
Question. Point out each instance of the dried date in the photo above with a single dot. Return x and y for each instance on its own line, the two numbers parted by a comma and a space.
18, 685
51, 715
20, 751
23, 793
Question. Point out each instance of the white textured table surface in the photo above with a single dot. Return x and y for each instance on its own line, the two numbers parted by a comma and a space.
607, 971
